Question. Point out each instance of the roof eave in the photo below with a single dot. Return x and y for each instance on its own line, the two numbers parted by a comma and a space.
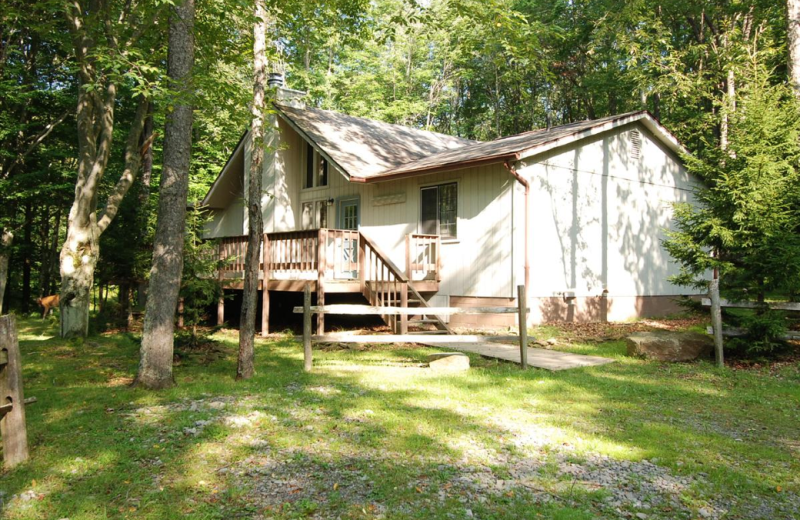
482, 161
644, 116
283, 115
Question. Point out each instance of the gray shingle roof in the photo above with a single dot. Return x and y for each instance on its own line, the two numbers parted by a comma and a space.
505, 147
365, 148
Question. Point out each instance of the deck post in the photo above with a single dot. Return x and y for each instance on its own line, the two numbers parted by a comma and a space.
408, 256
12, 424
716, 321
522, 303
438, 276
322, 254
307, 360
265, 287
362, 263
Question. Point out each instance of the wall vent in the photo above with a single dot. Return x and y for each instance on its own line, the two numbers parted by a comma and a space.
636, 144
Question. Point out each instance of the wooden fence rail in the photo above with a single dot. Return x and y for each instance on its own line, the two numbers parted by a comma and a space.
308, 310
717, 304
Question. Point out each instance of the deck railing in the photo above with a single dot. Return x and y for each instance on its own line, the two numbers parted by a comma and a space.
296, 255
423, 257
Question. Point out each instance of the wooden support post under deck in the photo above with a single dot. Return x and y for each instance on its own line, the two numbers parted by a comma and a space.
12, 424
307, 359
322, 250
221, 301
265, 287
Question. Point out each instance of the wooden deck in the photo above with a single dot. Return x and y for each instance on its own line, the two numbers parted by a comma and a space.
334, 261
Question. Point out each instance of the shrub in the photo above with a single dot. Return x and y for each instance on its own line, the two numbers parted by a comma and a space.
765, 331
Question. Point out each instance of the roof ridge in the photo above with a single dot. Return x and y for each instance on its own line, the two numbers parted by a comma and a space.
378, 121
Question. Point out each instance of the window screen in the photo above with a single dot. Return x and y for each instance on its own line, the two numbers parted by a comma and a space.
439, 210
429, 211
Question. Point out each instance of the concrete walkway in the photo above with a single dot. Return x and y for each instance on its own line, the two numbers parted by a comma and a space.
537, 357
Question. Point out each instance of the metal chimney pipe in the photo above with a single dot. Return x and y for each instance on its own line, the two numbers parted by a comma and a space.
275, 80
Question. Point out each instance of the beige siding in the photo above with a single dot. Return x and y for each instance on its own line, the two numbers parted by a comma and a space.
227, 222
598, 216
477, 263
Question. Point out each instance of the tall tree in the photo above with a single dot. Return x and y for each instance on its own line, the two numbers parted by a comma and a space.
104, 38
247, 330
155, 366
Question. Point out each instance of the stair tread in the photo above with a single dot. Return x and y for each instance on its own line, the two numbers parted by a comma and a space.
421, 332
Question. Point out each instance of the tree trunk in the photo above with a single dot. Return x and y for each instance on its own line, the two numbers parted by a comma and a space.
793, 43
247, 328
78, 259
27, 247
6, 238
155, 364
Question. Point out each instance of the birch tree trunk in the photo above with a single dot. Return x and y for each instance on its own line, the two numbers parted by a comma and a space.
793, 43
155, 364
80, 250
247, 330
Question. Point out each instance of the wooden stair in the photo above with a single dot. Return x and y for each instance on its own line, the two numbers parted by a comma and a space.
387, 285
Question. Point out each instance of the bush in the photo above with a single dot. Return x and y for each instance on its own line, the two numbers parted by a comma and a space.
765, 331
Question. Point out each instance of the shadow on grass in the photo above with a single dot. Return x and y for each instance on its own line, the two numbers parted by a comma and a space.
101, 449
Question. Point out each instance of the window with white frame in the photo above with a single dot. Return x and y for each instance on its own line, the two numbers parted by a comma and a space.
439, 210
316, 165
314, 214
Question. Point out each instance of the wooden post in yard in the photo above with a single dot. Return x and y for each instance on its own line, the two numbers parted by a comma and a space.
265, 287
716, 321
522, 304
12, 424
307, 360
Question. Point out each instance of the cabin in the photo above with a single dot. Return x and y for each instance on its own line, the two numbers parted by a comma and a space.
401, 216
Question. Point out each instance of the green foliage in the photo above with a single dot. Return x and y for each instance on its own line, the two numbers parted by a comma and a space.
200, 286
748, 211
765, 333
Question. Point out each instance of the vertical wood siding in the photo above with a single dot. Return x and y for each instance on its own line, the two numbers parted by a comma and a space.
598, 216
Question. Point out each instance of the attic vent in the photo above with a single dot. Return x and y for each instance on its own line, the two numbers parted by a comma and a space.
636, 144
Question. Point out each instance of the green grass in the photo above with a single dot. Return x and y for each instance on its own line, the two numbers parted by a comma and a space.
102, 450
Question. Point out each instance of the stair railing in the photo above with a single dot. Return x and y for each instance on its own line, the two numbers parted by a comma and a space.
382, 283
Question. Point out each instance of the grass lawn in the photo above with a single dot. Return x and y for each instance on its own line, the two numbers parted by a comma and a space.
374, 434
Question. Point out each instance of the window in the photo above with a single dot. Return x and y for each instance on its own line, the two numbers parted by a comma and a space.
316, 174
314, 214
439, 210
